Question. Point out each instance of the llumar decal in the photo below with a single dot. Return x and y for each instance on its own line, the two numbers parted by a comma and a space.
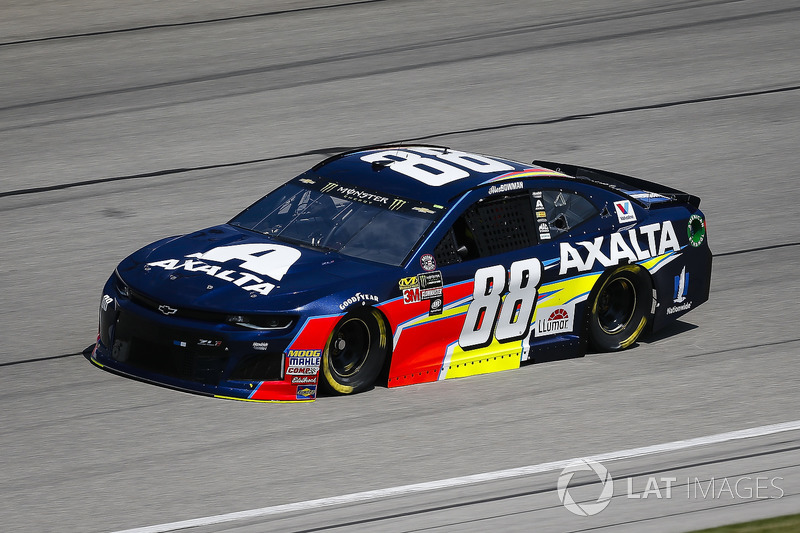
489, 313
610, 251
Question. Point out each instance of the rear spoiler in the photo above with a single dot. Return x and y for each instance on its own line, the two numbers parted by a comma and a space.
644, 192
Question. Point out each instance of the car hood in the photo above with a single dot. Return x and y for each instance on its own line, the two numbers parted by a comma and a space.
227, 269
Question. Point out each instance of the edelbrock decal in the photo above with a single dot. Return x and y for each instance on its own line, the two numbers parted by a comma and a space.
618, 246
273, 261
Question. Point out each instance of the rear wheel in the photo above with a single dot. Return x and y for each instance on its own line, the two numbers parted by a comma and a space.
355, 352
620, 309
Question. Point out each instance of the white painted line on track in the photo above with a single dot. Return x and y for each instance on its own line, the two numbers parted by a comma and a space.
466, 480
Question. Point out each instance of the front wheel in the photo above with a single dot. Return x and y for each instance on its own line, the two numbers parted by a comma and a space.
620, 309
355, 352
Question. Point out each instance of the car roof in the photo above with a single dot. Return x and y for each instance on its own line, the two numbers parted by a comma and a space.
428, 173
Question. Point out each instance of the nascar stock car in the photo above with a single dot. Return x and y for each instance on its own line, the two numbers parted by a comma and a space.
405, 264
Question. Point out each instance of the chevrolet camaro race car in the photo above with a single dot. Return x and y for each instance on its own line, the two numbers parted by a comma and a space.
405, 264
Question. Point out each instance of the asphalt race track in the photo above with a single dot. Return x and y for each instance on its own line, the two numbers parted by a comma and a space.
122, 122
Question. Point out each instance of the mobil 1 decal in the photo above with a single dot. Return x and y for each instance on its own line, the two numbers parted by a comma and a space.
490, 315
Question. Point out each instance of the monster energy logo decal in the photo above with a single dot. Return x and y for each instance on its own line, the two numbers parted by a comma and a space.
366, 196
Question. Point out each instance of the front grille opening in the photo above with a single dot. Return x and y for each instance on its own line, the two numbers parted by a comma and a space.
259, 367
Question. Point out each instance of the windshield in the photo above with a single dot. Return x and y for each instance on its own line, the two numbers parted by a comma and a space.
351, 221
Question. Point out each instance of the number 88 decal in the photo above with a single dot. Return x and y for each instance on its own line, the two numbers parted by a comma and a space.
509, 318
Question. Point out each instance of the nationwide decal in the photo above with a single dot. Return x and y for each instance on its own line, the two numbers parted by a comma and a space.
553, 320
425, 286
611, 250
696, 230
681, 291
544, 231
681, 286
505, 187
304, 380
625, 212
269, 260
306, 393
358, 297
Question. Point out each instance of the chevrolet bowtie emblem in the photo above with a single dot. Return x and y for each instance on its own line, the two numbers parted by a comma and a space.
167, 310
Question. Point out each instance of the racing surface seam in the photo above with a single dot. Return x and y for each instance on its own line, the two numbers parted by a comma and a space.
189, 23
331, 150
673, 8
389, 70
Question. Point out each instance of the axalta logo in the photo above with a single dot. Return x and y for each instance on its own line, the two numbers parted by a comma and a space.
270, 260
610, 251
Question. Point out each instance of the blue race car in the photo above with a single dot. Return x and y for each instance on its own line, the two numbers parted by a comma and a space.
405, 264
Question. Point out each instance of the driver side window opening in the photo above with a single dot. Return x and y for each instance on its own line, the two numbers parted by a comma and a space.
490, 226
497, 225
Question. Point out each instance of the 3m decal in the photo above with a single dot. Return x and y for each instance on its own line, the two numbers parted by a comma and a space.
696, 230
510, 318
425, 286
618, 246
441, 167
271, 260
625, 212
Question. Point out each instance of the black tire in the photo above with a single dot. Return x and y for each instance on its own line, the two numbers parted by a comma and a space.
355, 352
620, 308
